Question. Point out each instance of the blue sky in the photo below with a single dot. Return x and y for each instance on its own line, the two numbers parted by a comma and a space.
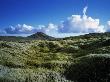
32, 13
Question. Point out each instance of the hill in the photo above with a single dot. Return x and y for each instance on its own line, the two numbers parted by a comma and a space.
41, 36
42, 58
36, 36
91, 35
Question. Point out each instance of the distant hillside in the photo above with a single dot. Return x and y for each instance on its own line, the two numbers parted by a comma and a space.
41, 36
12, 38
90, 35
36, 36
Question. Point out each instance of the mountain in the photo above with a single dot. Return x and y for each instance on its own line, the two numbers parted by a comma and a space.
105, 35
41, 36
36, 36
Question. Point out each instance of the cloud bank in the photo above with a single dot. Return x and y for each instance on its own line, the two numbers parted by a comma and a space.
78, 24
73, 24
107, 27
81, 24
19, 29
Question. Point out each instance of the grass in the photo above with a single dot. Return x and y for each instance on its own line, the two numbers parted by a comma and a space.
44, 60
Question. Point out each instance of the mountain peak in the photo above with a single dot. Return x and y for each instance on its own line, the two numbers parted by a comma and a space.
41, 36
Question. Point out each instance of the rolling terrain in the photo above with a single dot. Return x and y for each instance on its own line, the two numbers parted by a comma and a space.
42, 58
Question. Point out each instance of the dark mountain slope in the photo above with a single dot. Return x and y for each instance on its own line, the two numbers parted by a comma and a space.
41, 36
90, 35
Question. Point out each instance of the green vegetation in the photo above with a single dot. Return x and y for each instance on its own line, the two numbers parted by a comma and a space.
91, 68
46, 59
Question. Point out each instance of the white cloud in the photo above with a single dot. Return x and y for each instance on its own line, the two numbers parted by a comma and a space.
51, 29
19, 29
2, 31
81, 24
24, 29
107, 27
84, 10
27, 29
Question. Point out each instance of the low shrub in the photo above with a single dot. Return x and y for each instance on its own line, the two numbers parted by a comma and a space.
90, 69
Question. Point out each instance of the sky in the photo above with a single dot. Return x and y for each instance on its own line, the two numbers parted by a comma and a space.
54, 17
